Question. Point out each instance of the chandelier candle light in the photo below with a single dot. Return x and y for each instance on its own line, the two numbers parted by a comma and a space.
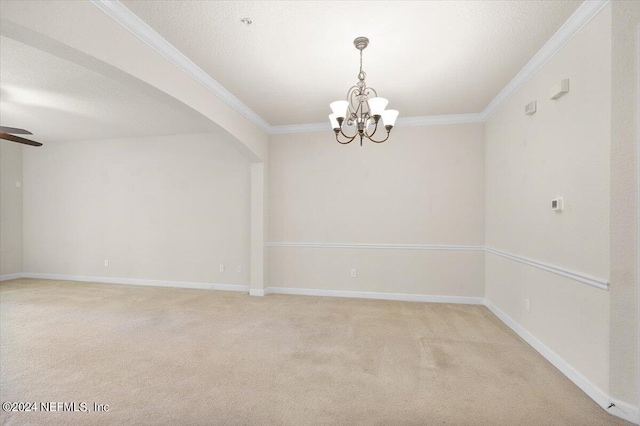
363, 108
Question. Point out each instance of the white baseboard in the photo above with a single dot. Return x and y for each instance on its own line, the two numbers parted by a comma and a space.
8, 277
256, 292
135, 281
625, 411
375, 295
620, 409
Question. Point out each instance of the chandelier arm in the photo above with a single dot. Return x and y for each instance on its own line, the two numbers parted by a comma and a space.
344, 143
347, 136
370, 136
383, 140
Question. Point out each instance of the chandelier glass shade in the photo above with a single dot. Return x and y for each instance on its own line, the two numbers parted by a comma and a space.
360, 114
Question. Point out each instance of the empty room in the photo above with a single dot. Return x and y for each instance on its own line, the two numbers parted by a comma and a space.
319, 212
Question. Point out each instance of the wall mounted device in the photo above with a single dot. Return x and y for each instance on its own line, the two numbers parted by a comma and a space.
556, 204
531, 108
559, 89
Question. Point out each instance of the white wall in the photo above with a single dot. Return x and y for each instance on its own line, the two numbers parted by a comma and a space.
562, 150
163, 208
424, 186
10, 208
624, 205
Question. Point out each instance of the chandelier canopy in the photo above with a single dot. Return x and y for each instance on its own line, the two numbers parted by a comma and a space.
363, 109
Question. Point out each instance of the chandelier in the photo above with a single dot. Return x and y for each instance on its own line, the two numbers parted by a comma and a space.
363, 109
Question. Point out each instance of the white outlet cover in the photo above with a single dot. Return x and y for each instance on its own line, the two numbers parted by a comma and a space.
354, 273
18, 184
239, 269
106, 262
221, 268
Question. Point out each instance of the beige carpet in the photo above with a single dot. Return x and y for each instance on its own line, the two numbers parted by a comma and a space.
196, 357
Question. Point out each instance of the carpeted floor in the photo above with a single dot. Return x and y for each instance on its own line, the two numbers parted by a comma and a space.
199, 357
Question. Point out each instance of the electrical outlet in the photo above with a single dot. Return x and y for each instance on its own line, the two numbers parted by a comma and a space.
354, 273
239, 269
106, 262
221, 268
18, 184
527, 304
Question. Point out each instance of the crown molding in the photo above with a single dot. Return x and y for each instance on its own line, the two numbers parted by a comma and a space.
299, 128
402, 122
125, 17
581, 17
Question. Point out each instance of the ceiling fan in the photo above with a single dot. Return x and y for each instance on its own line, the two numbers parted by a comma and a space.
9, 132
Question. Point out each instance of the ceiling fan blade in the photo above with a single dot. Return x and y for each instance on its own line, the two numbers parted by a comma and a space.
14, 131
19, 139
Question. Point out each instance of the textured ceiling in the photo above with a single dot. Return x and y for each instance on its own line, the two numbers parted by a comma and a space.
58, 100
426, 57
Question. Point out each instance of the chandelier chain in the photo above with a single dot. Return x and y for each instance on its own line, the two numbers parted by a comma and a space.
361, 75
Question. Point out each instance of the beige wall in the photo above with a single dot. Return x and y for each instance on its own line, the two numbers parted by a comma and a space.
424, 186
164, 208
624, 206
561, 151
418, 272
10, 208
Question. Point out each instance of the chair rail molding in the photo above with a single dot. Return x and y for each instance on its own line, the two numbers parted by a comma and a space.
559, 270
600, 283
375, 246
